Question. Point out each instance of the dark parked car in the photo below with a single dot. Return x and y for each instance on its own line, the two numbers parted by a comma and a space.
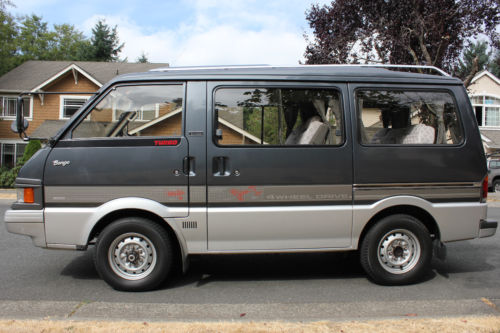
494, 175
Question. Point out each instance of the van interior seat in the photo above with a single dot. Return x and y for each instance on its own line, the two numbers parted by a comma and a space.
313, 132
418, 134
414, 134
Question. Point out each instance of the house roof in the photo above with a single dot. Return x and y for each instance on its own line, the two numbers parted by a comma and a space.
34, 73
491, 137
487, 73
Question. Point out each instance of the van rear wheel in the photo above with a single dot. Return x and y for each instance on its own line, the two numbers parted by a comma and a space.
396, 250
133, 254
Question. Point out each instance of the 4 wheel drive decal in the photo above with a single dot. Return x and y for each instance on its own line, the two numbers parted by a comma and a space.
240, 194
178, 194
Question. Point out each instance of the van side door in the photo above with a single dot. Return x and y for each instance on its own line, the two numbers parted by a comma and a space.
279, 166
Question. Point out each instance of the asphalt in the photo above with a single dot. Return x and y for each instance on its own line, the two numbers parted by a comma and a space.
62, 285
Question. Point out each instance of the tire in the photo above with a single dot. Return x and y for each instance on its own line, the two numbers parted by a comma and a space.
496, 186
397, 250
134, 254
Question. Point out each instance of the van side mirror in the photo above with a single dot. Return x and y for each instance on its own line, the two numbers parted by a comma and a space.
20, 124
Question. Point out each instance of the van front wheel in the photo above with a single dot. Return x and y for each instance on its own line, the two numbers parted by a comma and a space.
133, 254
396, 250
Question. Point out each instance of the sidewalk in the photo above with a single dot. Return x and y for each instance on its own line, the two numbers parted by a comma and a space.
8, 193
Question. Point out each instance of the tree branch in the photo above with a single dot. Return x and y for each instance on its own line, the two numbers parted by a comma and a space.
473, 72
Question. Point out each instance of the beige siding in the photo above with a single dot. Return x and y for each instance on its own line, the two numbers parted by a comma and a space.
484, 86
51, 105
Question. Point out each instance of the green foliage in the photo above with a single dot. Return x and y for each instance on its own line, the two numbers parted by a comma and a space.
30, 38
479, 50
8, 176
495, 64
32, 147
105, 43
143, 59
8, 37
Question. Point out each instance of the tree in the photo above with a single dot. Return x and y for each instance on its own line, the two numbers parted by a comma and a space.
495, 64
475, 58
143, 59
69, 43
35, 41
430, 32
105, 42
8, 35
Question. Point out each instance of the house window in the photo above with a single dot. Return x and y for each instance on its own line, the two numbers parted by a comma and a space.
69, 105
487, 110
11, 153
8, 105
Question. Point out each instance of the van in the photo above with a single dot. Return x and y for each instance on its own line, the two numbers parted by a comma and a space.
162, 165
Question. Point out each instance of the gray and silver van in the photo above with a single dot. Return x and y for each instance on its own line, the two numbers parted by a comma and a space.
161, 165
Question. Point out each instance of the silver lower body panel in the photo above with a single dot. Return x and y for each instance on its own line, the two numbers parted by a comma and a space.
27, 222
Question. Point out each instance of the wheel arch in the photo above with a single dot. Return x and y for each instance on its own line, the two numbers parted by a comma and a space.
417, 212
104, 221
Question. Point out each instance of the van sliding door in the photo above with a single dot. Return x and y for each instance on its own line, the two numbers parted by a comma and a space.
279, 166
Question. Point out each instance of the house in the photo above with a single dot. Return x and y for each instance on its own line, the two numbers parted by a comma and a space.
484, 93
47, 113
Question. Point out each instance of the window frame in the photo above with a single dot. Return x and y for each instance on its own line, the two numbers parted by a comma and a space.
7, 117
357, 114
63, 98
15, 153
334, 86
67, 135
483, 107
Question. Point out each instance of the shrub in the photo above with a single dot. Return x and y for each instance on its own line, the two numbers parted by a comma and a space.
8, 176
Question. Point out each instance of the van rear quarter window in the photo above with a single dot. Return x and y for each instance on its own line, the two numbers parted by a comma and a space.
405, 117
278, 116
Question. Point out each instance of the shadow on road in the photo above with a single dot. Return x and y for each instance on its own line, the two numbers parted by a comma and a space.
463, 257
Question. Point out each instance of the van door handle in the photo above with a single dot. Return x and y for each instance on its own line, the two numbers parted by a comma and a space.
188, 166
220, 166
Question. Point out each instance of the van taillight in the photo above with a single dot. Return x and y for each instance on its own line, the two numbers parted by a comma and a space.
484, 195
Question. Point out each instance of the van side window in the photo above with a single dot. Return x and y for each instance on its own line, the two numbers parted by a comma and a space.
407, 117
146, 110
278, 116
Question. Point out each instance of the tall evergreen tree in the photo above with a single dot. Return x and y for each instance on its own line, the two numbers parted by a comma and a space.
475, 57
105, 42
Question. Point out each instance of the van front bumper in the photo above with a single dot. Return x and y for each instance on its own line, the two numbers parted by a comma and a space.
27, 222
487, 228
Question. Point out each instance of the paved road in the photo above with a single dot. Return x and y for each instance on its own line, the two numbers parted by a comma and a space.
39, 283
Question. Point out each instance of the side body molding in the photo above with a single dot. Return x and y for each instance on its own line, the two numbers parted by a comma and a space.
60, 230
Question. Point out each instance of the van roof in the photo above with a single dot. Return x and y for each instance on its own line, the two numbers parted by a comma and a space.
348, 73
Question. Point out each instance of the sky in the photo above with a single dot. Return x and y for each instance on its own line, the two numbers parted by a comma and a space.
191, 32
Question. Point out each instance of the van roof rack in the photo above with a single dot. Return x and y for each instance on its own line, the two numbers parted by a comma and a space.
431, 69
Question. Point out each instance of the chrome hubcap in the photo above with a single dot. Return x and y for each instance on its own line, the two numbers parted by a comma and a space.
398, 251
497, 188
132, 256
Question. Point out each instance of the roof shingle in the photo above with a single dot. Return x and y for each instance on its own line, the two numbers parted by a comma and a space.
32, 73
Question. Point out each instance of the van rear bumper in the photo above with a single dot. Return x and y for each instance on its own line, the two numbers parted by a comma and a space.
27, 222
487, 228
